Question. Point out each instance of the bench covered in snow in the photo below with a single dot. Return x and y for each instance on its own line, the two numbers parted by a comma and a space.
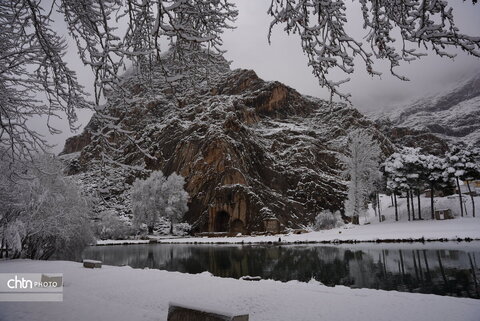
180, 312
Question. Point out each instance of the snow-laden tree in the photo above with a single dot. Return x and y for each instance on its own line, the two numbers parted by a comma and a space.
407, 171
176, 200
147, 201
327, 220
361, 165
462, 164
158, 196
454, 168
471, 171
433, 171
413, 170
397, 31
45, 212
393, 169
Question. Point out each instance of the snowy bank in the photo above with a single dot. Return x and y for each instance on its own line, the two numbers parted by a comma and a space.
464, 228
123, 293
121, 242
458, 228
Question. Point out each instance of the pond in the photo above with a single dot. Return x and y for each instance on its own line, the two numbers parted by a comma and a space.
439, 268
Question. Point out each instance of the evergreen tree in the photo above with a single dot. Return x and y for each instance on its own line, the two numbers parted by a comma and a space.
463, 164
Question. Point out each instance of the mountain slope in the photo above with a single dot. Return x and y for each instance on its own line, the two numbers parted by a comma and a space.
248, 149
453, 115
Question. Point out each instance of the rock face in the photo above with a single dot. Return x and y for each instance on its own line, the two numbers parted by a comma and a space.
249, 150
427, 141
452, 116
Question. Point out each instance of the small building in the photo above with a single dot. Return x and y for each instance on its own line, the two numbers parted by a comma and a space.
272, 225
436, 193
443, 214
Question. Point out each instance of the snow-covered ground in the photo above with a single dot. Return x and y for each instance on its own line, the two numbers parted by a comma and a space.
122, 293
120, 242
460, 227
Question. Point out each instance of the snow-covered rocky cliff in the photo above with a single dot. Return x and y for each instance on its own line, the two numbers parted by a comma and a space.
249, 149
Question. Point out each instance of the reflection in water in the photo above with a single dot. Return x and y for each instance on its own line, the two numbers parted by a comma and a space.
444, 272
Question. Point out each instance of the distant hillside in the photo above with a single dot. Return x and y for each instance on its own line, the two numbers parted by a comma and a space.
453, 115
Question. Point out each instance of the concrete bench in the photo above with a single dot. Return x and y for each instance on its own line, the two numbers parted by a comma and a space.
92, 264
179, 312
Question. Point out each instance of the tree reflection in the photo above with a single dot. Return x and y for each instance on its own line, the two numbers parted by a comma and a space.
414, 270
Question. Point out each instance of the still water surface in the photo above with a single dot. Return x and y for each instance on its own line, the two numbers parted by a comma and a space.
444, 269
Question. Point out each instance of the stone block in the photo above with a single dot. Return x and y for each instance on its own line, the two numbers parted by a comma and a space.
58, 280
272, 225
92, 264
178, 312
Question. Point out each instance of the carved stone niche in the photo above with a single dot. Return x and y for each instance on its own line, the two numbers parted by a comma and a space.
229, 213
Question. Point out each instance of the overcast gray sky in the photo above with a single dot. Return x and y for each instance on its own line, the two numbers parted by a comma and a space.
284, 61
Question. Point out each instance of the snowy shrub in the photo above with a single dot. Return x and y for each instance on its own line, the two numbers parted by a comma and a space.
110, 226
14, 233
327, 220
182, 229
44, 212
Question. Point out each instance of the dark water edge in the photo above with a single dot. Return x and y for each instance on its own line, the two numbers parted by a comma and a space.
441, 268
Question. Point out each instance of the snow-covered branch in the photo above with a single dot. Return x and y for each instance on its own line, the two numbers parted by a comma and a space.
321, 27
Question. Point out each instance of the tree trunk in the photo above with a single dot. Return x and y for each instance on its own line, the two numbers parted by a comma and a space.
408, 205
378, 204
472, 198
420, 266
428, 276
171, 228
418, 202
459, 196
402, 265
396, 208
391, 198
150, 229
442, 270
413, 207
415, 266
431, 201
